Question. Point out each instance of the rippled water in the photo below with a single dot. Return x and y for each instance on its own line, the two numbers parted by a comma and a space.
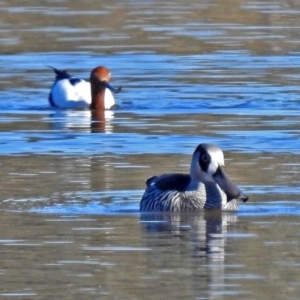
71, 181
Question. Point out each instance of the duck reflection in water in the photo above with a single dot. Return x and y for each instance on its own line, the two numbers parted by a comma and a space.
192, 242
101, 121
206, 230
83, 120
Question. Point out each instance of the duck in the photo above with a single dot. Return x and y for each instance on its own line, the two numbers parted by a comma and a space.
71, 92
206, 187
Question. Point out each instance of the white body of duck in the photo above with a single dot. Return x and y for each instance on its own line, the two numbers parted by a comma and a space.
207, 186
71, 92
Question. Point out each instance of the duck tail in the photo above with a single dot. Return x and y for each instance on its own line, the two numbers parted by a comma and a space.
60, 74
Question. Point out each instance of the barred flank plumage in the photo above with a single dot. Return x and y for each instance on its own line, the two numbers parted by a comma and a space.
157, 200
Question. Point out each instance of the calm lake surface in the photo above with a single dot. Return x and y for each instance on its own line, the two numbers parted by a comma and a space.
223, 72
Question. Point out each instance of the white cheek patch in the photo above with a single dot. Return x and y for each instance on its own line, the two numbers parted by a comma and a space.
217, 159
213, 166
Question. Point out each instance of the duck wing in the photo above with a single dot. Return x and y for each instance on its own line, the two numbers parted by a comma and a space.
166, 182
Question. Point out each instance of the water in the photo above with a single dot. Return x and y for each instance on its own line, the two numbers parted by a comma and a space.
71, 181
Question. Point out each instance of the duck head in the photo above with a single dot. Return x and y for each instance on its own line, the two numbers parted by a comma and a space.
208, 166
100, 78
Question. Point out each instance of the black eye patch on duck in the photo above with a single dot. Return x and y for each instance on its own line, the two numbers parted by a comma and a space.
204, 160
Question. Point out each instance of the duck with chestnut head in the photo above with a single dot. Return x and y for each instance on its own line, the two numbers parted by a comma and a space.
71, 92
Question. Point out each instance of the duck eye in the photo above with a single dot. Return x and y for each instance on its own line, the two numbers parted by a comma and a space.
204, 161
205, 157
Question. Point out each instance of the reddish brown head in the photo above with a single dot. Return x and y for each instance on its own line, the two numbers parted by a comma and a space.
101, 74
100, 78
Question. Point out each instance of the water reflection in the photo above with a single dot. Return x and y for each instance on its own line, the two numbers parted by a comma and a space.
206, 230
202, 235
83, 120
101, 121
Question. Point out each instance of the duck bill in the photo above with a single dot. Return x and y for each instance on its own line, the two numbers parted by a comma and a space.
227, 186
114, 90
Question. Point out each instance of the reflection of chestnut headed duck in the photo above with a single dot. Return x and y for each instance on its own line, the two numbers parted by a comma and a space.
207, 186
70, 92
